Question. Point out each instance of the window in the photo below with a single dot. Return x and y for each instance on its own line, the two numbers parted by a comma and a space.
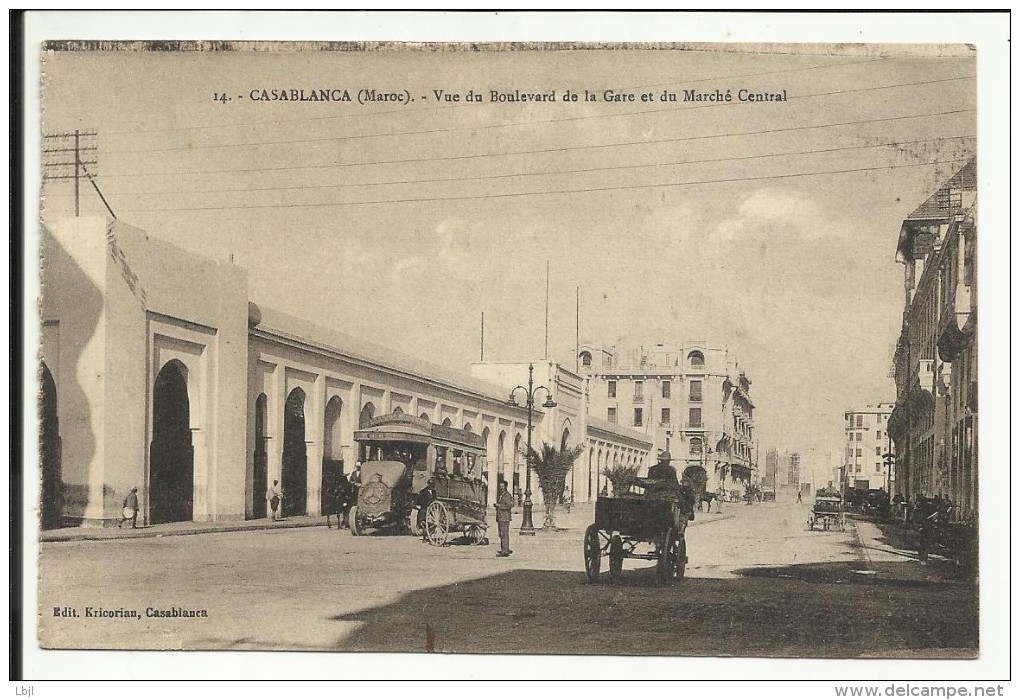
878, 451
639, 417
857, 437
611, 417
696, 360
695, 390
858, 451
665, 416
612, 388
695, 417
878, 466
860, 421
639, 391
665, 389
878, 434
695, 446
586, 359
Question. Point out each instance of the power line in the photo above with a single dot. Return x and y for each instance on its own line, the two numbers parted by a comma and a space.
556, 120
505, 195
459, 106
559, 149
573, 171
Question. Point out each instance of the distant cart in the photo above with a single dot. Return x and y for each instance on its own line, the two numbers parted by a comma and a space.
633, 526
828, 514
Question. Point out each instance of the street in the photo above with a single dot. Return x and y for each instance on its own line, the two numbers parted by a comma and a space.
759, 583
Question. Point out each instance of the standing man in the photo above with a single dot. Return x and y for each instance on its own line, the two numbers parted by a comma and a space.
425, 498
274, 495
504, 506
130, 509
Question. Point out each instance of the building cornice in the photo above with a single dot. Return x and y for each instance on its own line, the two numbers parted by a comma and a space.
283, 338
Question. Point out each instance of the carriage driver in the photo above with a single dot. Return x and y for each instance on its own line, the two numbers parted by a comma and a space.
668, 487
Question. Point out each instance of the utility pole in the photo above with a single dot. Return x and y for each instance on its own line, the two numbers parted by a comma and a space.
69, 155
546, 355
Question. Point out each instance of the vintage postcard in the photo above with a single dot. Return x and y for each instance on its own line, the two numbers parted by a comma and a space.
610, 349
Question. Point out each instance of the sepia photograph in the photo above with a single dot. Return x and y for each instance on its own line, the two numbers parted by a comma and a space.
586, 349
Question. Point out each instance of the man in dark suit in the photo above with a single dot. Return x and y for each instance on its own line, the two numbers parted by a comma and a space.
504, 507
425, 498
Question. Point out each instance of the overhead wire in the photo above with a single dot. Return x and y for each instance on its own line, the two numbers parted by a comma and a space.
557, 149
539, 173
504, 195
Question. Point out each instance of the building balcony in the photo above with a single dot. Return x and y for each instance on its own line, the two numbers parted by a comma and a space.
694, 427
924, 370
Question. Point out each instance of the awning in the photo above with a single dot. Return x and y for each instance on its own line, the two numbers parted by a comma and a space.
401, 427
740, 472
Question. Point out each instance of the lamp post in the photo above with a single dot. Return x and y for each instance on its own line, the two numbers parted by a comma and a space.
527, 526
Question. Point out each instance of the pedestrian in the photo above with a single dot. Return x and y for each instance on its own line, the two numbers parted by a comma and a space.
504, 507
130, 511
336, 500
355, 479
425, 498
274, 496
800, 499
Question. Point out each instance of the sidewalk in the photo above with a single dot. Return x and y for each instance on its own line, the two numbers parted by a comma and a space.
78, 534
889, 550
581, 515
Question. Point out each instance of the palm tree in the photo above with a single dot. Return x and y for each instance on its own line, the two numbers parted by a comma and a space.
552, 467
620, 477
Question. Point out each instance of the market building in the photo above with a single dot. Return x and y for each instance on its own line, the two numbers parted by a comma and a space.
935, 420
157, 371
690, 399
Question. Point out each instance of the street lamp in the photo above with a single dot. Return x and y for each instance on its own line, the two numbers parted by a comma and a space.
527, 526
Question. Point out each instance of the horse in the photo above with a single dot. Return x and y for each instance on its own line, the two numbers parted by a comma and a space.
708, 497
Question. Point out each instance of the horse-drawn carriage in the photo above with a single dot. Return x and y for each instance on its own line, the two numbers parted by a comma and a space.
636, 526
938, 533
828, 513
409, 452
460, 506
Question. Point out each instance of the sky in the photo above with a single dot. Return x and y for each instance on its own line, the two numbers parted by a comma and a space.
768, 228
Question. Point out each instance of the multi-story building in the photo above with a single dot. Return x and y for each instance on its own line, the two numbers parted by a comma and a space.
770, 478
934, 423
867, 443
792, 462
690, 399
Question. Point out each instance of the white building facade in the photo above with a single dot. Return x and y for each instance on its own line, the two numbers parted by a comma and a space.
690, 399
867, 446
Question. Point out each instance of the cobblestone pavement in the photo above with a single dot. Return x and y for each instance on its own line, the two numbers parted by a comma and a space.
759, 583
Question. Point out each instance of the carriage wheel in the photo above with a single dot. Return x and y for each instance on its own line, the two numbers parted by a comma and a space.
475, 534
681, 558
352, 519
437, 523
811, 523
665, 570
615, 558
592, 554
412, 523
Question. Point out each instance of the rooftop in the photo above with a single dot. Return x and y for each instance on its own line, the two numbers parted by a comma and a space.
329, 339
